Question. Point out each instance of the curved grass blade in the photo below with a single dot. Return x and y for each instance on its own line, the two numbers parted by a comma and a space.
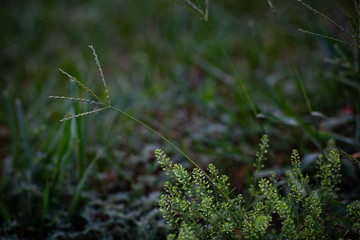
76, 199
172, 145
80, 144
237, 76
4, 213
23, 132
12, 124
45, 207
64, 148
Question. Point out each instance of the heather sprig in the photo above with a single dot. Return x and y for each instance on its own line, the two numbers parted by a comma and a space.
190, 204
296, 179
354, 212
261, 156
329, 174
189, 199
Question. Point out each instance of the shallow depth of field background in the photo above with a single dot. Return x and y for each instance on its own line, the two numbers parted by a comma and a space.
163, 66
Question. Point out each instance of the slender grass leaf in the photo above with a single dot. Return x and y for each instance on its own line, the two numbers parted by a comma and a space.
4, 213
45, 206
11, 122
63, 149
77, 196
23, 132
79, 133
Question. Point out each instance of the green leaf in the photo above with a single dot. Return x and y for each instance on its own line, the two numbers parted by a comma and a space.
76, 199
4, 213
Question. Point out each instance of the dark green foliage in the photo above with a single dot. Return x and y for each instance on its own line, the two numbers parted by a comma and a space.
214, 86
190, 205
287, 209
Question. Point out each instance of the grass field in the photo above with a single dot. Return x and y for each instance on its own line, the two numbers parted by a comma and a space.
213, 88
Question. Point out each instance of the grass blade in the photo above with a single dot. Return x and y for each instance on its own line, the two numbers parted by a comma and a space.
76, 199
11, 122
45, 204
238, 78
4, 213
45, 207
79, 132
23, 132
63, 149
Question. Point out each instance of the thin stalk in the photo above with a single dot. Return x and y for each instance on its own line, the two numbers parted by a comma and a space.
237, 76
357, 69
172, 145
76, 199
45, 208
80, 145
24, 134
235, 72
109, 106
298, 79
4, 213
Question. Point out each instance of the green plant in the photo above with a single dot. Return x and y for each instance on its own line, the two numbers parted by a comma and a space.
288, 209
219, 183
198, 205
81, 180
107, 105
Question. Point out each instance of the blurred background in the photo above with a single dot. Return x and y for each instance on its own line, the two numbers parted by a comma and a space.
96, 177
